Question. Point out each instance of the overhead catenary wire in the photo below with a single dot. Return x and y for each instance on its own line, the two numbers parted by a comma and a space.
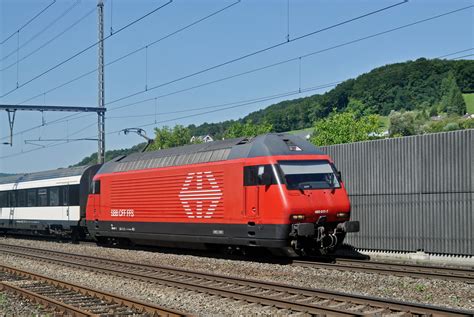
78, 116
86, 49
300, 91
464, 56
92, 71
269, 98
259, 99
62, 15
457, 52
50, 40
28, 22
215, 66
268, 48
121, 58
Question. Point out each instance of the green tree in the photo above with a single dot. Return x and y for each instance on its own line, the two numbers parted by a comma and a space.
452, 126
167, 137
403, 123
247, 129
452, 101
345, 127
358, 108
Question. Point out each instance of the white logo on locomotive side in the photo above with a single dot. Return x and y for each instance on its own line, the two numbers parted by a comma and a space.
200, 195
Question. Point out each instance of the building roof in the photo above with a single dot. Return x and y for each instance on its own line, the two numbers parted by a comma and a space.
57, 173
263, 145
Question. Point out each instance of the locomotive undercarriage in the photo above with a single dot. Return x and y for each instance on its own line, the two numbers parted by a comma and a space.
319, 238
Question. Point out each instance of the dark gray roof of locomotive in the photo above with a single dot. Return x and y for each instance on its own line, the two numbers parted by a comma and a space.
262, 145
57, 173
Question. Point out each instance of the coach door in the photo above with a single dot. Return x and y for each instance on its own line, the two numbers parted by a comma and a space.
65, 201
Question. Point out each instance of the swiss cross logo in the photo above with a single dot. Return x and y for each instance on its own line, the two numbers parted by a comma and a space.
200, 195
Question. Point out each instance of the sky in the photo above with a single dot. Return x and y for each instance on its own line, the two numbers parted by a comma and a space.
151, 87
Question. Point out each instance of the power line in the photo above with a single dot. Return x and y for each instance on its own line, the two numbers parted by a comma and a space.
216, 106
454, 53
85, 49
28, 22
122, 57
257, 52
50, 40
50, 144
236, 105
69, 9
134, 51
252, 70
221, 108
216, 66
459, 57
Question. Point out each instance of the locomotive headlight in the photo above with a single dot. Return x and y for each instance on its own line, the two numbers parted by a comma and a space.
297, 217
342, 215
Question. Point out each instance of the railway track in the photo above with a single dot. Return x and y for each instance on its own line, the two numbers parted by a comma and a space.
412, 270
289, 298
62, 298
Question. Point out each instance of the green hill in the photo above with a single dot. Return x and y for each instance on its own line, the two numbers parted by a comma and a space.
411, 85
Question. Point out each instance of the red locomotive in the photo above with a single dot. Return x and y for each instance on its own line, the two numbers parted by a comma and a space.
275, 191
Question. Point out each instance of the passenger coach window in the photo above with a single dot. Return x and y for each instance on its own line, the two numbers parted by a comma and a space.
42, 197
3, 199
12, 199
21, 198
73, 195
54, 196
31, 197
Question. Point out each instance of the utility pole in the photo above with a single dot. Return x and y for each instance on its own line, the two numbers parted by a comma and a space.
101, 90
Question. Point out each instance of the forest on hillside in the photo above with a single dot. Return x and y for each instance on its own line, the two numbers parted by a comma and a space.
412, 85
410, 92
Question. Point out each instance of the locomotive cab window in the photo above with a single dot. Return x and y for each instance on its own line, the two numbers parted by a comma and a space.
96, 187
309, 174
259, 175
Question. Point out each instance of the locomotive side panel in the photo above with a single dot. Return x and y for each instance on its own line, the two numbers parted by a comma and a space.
202, 203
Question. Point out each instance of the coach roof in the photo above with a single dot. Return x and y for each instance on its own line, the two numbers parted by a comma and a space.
263, 145
57, 173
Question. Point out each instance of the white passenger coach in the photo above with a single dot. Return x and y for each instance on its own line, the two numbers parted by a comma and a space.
51, 202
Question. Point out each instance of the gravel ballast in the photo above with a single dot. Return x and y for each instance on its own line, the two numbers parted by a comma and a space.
427, 291
14, 305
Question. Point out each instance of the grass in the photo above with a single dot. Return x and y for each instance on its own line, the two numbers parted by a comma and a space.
308, 130
469, 100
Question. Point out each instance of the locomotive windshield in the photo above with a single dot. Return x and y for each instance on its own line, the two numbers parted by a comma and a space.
309, 175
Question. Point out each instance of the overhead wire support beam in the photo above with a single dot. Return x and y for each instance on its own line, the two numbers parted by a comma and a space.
50, 108
12, 109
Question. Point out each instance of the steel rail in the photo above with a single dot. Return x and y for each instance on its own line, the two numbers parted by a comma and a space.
46, 302
307, 300
110, 300
465, 275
